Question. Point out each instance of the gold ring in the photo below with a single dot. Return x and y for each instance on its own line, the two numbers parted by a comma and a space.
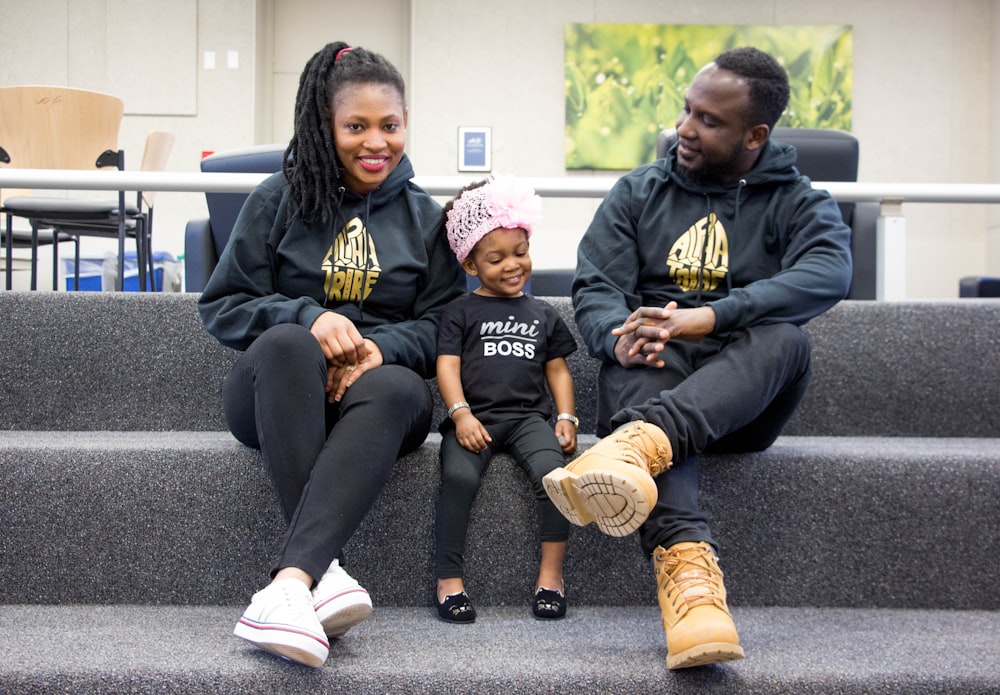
349, 368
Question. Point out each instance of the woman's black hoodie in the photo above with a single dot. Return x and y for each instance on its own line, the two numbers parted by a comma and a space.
383, 262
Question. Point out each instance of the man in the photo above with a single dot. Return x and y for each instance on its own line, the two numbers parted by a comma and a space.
691, 284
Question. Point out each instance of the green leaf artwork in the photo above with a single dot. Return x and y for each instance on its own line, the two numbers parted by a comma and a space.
625, 82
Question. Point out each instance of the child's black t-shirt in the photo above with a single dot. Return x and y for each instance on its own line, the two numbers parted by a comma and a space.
504, 344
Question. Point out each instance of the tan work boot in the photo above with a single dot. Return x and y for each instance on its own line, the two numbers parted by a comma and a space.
611, 484
699, 628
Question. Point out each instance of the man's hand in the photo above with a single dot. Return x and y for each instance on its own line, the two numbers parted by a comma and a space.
646, 331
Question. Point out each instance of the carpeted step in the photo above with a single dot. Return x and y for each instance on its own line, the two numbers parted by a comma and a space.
919, 368
190, 518
190, 649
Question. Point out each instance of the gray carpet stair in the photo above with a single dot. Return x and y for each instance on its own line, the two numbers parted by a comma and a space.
860, 551
189, 649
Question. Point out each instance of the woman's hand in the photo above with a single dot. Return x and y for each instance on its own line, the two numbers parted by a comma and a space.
340, 340
340, 377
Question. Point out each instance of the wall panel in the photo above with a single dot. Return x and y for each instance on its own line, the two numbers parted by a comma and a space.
152, 55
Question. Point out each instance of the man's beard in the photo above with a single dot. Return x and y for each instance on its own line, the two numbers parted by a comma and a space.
698, 175
711, 172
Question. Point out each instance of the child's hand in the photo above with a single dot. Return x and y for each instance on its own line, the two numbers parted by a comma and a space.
566, 434
470, 431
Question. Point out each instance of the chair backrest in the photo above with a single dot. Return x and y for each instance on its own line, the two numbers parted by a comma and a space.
223, 208
155, 154
46, 127
823, 154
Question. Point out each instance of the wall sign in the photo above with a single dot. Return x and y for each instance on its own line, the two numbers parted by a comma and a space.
474, 149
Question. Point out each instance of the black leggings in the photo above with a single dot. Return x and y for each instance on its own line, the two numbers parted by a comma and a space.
328, 461
532, 442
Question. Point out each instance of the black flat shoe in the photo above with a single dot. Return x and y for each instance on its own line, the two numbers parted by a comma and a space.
457, 608
548, 604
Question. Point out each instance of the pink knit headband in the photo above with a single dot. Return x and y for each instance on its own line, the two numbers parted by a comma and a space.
504, 202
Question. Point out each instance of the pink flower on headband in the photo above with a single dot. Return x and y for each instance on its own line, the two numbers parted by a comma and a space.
513, 203
503, 202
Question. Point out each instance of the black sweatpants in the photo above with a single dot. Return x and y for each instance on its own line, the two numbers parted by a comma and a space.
719, 396
328, 461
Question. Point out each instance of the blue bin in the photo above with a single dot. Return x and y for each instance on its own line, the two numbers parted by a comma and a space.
92, 272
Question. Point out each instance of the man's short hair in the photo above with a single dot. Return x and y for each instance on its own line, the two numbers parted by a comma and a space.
767, 79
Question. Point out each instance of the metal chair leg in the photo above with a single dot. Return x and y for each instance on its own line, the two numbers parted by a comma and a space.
55, 259
9, 243
34, 257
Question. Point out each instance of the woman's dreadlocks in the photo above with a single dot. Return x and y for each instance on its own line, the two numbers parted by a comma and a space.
310, 162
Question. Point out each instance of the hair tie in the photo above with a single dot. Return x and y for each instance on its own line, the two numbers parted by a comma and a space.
341, 52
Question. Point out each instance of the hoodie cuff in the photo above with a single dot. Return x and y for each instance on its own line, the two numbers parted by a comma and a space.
308, 315
727, 314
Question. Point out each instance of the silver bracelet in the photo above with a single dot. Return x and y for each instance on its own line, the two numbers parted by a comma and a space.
567, 416
458, 406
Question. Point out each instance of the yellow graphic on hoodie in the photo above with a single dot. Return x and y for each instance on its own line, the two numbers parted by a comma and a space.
351, 264
700, 257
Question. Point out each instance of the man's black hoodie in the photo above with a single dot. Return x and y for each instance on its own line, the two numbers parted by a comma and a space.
766, 249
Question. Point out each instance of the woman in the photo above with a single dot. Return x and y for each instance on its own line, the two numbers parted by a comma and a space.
332, 284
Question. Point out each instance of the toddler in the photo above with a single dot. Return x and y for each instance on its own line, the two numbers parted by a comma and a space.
498, 348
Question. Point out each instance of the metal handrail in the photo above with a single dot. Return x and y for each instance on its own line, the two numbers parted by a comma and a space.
554, 187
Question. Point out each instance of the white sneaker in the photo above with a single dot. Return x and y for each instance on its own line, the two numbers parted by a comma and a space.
281, 620
340, 602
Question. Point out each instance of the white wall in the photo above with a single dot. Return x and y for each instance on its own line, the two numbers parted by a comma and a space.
992, 246
922, 76
926, 99
299, 28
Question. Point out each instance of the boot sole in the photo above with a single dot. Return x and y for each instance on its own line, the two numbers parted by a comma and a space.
704, 654
614, 500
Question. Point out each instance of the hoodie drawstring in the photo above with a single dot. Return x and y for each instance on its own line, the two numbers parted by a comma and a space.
340, 227
709, 233
341, 190
704, 248
366, 259
736, 225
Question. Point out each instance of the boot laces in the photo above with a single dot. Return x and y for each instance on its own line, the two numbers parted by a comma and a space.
692, 578
636, 442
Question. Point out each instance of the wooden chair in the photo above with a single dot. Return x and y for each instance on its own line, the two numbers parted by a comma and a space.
138, 220
47, 127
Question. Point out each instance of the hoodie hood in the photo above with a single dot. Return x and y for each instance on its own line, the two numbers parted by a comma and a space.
385, 194
775, 166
